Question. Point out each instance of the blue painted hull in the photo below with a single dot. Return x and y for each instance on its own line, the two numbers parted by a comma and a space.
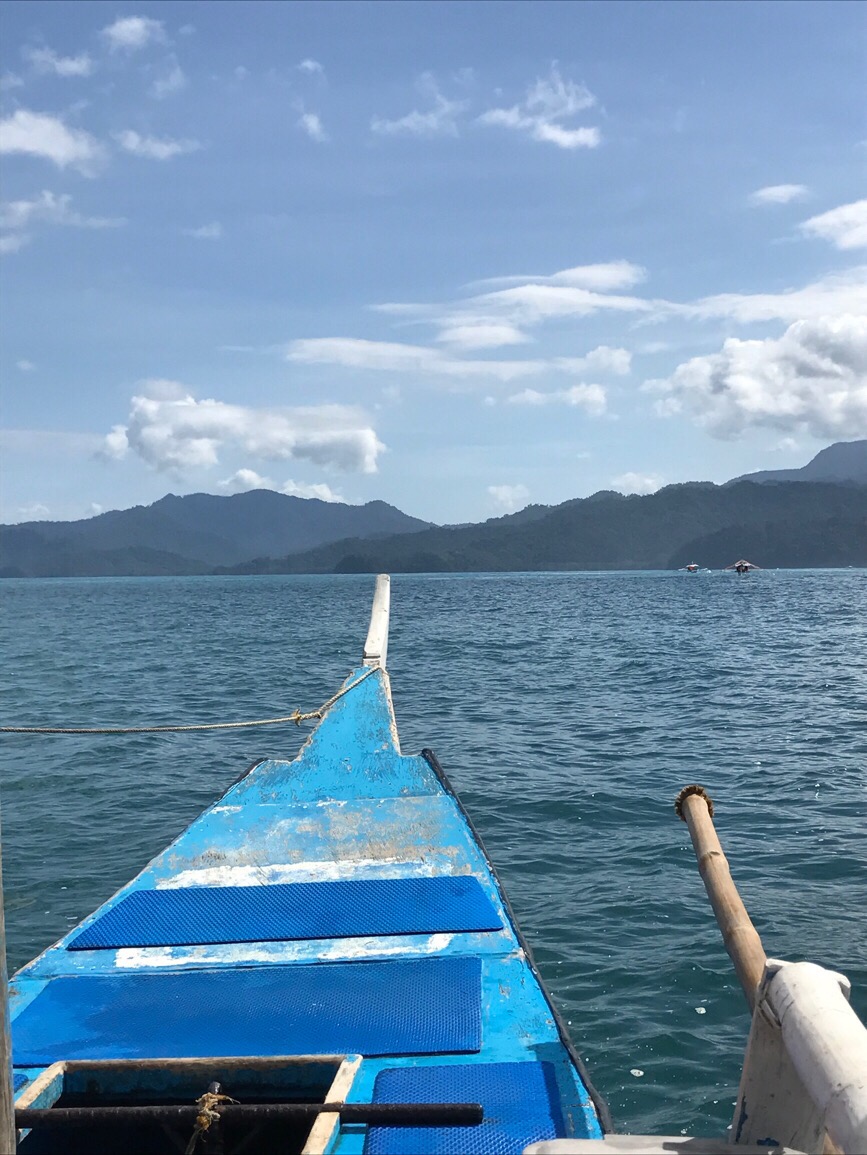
416, 973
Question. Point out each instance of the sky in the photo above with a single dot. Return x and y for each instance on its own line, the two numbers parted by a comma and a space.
460, 257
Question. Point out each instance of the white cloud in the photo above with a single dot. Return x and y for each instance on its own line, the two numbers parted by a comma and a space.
25, 366
547, 104
154, 148
310, 123
779, 194
211, 232
529, 300
601, 277
163, 389
315, 489
833, 295
481, 335
812, 379
845, 227
51, 209
391, 356
501, 317
509, 497
95, 509
588, 397
40, 134
16, 217
170, 82
10, 80
439, 120
44, 60
35, 512
532, 303
355, 353
129, 33
13, 242
311, 66
115, 444
637, 482
602, 359
174, 431
244, 480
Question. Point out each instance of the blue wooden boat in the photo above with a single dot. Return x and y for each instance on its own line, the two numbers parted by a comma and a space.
328, 945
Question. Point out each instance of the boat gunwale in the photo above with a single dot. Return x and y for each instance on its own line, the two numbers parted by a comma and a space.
599, 1104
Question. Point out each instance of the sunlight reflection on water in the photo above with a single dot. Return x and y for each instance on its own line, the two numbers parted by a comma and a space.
568, 710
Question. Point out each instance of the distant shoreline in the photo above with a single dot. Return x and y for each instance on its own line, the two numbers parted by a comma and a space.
704, 572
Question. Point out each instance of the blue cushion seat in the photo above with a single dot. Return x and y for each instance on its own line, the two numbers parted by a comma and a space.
201, 915
406, 1007
520, 1100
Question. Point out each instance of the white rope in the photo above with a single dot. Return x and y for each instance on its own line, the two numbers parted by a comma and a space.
296, 716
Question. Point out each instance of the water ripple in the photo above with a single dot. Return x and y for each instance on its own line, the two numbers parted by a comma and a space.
568, 710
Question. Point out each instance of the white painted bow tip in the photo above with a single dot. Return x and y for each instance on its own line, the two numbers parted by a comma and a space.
376, 645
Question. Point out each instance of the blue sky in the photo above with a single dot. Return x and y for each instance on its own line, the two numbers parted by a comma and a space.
457, 256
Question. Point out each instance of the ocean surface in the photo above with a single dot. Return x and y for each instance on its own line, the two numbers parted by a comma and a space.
568, 709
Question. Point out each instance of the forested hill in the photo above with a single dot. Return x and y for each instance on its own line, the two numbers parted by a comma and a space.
191, 534
786, 524
842, 461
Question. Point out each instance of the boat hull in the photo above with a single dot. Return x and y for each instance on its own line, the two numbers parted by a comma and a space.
445, 988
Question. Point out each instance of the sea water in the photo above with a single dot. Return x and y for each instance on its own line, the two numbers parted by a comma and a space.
568, 710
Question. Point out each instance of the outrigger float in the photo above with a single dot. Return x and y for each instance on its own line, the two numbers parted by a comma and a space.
326, 963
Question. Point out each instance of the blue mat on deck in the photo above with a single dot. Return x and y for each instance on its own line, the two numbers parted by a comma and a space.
197, 915
520, 1100
429, 1006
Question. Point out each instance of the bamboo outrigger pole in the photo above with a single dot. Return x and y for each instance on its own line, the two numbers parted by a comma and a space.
741, 938
739, 935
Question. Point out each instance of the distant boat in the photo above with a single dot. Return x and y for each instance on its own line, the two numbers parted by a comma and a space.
693, 567
742, 566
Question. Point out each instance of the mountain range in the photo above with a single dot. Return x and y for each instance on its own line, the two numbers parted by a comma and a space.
842, 461
813, 516
191, 534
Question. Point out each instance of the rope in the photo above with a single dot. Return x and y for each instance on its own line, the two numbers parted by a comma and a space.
296, 716
206, 1116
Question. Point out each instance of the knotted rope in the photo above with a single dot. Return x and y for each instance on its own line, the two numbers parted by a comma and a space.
206, 1116
296, 716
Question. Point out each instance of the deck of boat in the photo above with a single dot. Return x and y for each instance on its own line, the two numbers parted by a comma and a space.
336, 905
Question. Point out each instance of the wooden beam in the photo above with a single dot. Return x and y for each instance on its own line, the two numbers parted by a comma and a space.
376, 646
